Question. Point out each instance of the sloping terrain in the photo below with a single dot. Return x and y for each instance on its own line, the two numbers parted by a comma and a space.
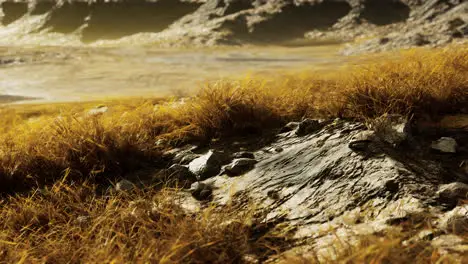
373, 169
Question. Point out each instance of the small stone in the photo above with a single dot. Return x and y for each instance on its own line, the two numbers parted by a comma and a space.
197, 186
447, 241
243, 154
418, 39
181, 173
279, 149
82, 219
384, 40
463, 29
184, 156
392, 129
308, 126
445, 145
453, 192
250, 259
124, 186
367, 135
464, 166
98, 110
456, 221
362, 140
188, 158
201, 191
160, 142
455, 23
272, 194
205, 195
208, 165
240, 166
289, 127
392, 186
170, 154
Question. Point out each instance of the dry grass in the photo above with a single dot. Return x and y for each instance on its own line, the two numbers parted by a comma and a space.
70, 224
39, 145
62, 138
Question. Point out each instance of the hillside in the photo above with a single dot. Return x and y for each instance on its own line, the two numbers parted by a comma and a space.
383, 24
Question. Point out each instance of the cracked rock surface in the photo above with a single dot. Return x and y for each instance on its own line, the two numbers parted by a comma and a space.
319, 182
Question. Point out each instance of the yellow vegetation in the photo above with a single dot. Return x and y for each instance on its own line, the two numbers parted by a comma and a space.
39, 145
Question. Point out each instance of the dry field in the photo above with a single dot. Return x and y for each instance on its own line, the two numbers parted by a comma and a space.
54, 158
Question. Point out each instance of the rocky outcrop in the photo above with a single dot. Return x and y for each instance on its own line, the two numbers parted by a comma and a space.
344, 177
397, 23
431, 23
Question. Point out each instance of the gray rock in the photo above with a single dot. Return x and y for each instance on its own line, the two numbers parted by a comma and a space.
453, 192
181, 173
308, 126
289, 127
456, 221
250, 259
320, 177
279, 149
124, 186
240, 166
83, 220
448, 242
392, 129
184, 156
362, 140
207, 165
417, 40
160, 142
243, 154
201, 191
189, 157
197, 186
445, 145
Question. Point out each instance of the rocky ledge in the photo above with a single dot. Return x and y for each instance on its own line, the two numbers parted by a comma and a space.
318, 176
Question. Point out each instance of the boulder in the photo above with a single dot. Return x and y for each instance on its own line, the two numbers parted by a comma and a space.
445, 145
